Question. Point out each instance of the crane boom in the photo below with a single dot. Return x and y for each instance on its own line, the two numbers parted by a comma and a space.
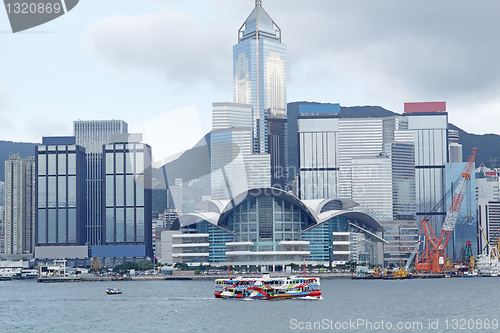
452, 215
433, 255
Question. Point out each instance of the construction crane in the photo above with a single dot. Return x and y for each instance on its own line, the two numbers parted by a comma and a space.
433, 255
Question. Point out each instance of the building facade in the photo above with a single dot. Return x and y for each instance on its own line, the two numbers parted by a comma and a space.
454, 148
60, 187
487, 205
429, 123
277, 144
92, 135
127, 198
235, 167
318, 128
270, 226
19, 223
259, 72
466, 226
368, 160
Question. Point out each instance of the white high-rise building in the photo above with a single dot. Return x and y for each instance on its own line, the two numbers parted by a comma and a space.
235, 168
488, 203
429, 123
2, 193
19, 205
318, 151
454, 148
93, 135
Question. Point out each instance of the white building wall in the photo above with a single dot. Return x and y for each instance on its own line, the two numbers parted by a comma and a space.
166, 246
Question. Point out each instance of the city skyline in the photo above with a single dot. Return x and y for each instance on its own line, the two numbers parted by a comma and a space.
379, 54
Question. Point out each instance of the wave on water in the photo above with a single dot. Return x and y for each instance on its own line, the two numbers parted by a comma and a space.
188, 298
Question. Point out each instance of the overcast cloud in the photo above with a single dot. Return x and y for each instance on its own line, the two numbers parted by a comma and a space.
172, 44
141, 59
353, 52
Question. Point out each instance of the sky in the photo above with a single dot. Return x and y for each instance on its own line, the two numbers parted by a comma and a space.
145, 61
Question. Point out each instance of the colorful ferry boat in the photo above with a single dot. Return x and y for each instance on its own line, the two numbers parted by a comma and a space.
268, 288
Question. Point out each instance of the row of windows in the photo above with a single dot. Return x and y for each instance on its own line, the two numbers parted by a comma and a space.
121, 190
56, 164
121, 162
60, 148
57, 191
125, 225
56, 226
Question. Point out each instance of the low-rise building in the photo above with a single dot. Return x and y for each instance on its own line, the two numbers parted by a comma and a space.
272, 227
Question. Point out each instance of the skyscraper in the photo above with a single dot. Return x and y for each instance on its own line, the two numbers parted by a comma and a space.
92, 135
19, 204
368, 160
429, 123
61, 204
126, 198
259, 77
318, 127
235, 168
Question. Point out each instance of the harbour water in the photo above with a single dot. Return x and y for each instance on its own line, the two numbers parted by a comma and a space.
189, 306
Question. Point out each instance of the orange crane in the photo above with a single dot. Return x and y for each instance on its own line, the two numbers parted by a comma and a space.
433, 256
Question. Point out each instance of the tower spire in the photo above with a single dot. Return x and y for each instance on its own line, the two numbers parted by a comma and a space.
258, 3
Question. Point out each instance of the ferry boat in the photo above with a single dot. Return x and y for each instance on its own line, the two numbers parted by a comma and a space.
268, 288
114, 291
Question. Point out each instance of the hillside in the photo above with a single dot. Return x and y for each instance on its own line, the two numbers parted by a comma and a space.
24, 149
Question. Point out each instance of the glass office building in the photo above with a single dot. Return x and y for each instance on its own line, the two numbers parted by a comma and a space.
259, 72
466, 226
60, 183
127, 193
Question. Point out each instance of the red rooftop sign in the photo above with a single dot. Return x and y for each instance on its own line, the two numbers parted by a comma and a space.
425, 107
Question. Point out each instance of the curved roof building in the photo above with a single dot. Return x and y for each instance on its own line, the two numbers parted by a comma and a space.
271, 226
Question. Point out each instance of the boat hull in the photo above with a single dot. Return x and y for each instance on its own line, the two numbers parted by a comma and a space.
268, 288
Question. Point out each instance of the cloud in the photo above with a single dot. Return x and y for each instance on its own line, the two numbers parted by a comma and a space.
172, 44
353, 52
427, 48
39, 127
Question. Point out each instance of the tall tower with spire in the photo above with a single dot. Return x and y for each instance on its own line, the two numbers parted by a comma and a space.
259, 76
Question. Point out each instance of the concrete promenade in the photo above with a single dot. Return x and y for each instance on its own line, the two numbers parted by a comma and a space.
156, 277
